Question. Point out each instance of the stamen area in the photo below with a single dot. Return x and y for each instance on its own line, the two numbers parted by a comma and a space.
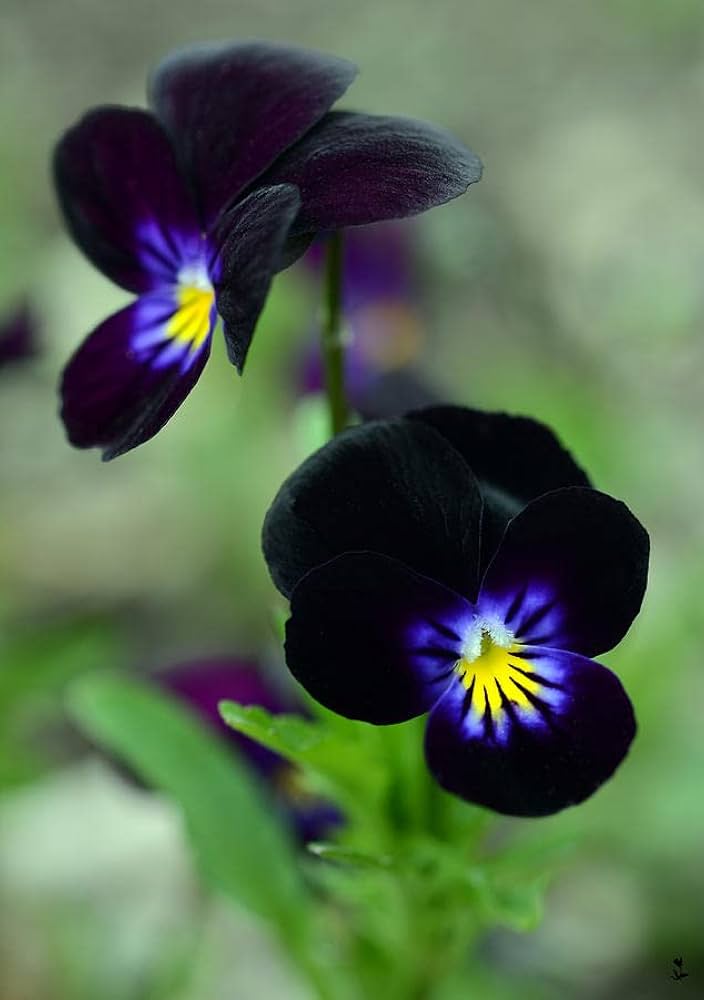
490, 672
191, 322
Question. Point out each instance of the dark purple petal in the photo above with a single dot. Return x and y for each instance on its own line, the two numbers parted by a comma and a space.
18, 335
372, 640
394, 487
251, 237
123, 198
232, 109
133, 372
570, 572
312, 817
540, 751
515, 460
203, 684
294, 248
354, 169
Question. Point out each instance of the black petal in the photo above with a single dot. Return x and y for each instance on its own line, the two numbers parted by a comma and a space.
252, 237
354, 169
372, 640
579, 559
232, 109
394, 487
515, 460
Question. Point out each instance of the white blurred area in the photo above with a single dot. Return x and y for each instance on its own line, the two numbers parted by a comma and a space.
97, 884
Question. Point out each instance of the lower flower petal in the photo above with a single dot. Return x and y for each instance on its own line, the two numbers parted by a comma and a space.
372, 640
553, 728
134, 371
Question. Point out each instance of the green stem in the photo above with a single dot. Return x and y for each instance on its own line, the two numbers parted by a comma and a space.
331, 343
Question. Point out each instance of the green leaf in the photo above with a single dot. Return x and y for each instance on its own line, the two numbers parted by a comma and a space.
346, 758
517, 904
350, 858
239, 845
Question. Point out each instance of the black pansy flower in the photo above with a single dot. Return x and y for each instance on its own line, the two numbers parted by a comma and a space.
458, 563
194, 205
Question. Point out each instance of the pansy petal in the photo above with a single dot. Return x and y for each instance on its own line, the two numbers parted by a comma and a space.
394, 487
203, 684
133, 372
354, 169
123, 197
515, 460
252, 236
570, 572
372, 640
18, 335
540, 752
232, 109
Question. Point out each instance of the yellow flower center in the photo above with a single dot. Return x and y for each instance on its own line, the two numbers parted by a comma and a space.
190, 323
494, 674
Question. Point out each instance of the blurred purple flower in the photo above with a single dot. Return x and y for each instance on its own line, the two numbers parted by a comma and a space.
18, 335
383, 324
202, 684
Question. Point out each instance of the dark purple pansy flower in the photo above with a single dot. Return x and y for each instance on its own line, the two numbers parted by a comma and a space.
383, 329
202, 684
458, 563
194, 205
18, 335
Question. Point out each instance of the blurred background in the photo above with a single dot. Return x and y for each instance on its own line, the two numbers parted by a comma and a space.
568, 285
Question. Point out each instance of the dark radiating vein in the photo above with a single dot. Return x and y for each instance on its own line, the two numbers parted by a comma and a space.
445, 630
533, 676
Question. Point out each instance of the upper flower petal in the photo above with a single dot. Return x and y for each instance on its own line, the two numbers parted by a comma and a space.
354, 169
232, 109
515, 460
570, 572
251, 237
134, 371
546, 742
372, 640
394, 487
123, 198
